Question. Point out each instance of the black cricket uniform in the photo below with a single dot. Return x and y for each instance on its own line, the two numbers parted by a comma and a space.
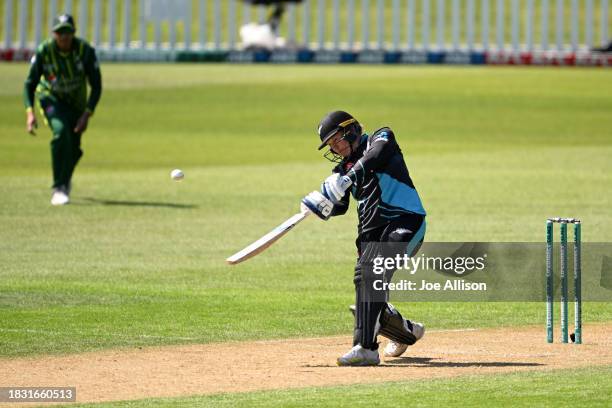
389, 210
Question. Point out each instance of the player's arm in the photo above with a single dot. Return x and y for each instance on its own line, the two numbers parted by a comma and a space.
333, 189
94, 77
29, 90
376, 156
325, 204
341, 207
379, 151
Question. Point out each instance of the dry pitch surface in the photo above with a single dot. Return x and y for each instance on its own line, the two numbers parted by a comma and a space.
277, 364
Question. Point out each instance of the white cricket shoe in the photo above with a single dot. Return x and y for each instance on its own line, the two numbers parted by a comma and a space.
359, 356
395, 349
59, 197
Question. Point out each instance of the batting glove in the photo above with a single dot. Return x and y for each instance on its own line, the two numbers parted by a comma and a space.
319, 205
334, 187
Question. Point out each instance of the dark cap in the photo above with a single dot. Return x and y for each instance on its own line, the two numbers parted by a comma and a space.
63, 21
332, 123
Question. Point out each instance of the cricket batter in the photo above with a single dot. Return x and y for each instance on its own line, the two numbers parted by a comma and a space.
59, 73
371, 168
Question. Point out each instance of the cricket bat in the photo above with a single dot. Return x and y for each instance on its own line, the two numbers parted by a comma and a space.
271, 237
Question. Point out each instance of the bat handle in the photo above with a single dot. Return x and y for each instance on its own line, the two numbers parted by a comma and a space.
305, 209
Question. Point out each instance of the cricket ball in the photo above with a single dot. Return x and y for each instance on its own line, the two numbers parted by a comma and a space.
177, 175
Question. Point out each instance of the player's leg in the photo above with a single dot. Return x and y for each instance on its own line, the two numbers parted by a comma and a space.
368, 306
405, 236
394, 327
75, 155
401, 332
60, 148
275, 17
373, 315
367, 309
59, 145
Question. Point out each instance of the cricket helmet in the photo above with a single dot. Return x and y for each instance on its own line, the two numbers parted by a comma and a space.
338, 121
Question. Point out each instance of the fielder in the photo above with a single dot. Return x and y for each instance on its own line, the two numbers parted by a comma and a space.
59, 73
371, 168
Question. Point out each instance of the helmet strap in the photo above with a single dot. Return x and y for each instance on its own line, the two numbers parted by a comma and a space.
350, 139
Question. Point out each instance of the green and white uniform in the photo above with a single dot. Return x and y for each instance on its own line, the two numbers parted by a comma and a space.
59, 80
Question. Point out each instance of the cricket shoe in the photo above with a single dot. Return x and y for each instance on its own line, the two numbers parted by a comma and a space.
359, 357
395, 349
59, 197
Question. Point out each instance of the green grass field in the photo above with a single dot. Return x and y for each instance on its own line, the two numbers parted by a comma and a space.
138, 260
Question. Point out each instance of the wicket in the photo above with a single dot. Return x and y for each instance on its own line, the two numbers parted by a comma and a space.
563, 275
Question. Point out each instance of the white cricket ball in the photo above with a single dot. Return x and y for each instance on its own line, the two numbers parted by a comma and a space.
177, 175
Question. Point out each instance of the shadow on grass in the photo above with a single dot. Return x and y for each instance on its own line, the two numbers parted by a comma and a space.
136, 203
